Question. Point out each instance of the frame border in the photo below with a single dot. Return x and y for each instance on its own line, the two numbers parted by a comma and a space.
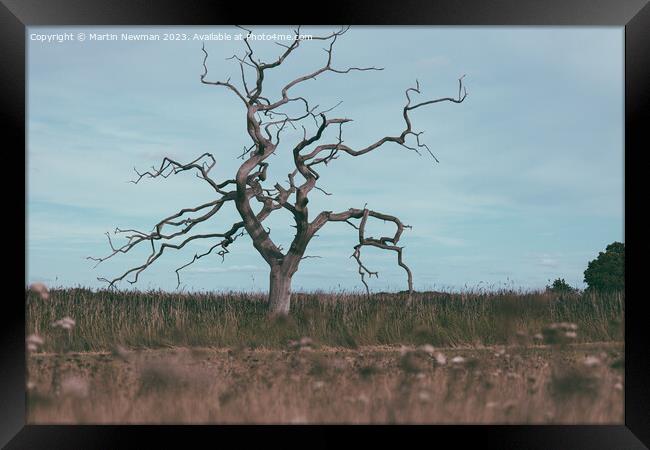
634, 15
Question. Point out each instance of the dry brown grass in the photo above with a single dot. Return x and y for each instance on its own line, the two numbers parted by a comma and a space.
104, 319
306, 383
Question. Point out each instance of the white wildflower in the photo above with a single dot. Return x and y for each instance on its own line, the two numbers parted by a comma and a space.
41, 290
67, 323
591, 361
458, 360
74, 387
34, 341
427, 348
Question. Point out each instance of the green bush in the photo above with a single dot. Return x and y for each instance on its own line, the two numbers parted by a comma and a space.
607, 271
560, 287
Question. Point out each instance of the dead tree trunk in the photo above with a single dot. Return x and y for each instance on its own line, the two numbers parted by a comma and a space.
279, 291
265, 121
281, 274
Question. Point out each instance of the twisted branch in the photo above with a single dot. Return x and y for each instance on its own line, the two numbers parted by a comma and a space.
383, 242
265, 122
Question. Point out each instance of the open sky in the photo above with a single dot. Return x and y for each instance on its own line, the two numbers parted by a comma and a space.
529, 186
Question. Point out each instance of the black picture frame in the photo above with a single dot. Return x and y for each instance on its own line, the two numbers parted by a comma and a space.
634, 15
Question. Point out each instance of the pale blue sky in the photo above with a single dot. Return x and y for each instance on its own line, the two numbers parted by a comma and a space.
529, 186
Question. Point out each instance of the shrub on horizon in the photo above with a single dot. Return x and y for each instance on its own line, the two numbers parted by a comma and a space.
607, 271
560, 286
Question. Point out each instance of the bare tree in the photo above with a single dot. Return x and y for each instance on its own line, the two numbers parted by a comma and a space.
266, 122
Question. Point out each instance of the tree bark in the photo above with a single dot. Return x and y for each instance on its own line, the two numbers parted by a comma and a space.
279, 291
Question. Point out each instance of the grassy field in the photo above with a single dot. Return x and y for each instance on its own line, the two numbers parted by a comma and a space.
151, 320
507, 357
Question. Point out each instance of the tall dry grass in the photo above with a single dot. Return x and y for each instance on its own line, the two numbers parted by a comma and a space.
135, 319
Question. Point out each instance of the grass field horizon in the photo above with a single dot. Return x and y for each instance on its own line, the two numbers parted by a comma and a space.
109, 357
106, 318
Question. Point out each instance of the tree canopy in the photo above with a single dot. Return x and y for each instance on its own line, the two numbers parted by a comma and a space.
607, 271
560, 286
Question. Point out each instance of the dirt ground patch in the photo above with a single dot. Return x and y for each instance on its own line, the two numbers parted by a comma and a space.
305, 383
